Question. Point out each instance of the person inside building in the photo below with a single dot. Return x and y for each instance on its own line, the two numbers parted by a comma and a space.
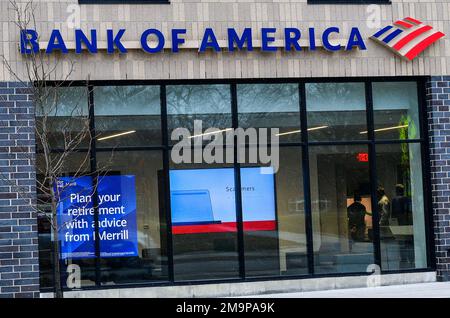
383, 206
401, 206
401, 210
356, 213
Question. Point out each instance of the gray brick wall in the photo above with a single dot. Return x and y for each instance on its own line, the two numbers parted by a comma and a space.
19, 262
438, 103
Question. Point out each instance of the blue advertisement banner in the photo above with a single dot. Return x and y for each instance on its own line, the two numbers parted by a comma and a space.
117, 217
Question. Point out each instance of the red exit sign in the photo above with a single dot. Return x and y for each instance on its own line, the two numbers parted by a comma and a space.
362, 157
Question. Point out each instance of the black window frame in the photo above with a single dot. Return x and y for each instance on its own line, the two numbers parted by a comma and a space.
304, 144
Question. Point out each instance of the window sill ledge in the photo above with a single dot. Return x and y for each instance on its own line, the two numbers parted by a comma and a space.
350, 2
104, 2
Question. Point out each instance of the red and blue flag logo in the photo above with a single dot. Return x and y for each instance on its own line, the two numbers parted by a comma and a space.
408, 37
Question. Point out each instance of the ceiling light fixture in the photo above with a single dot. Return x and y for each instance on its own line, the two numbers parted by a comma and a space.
385, 129
210, 133
117, 135
297, 131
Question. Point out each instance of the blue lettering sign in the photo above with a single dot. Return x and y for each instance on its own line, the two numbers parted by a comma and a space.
56, 42
233, 38
29, 42
144, 41
292, 36
209, 41
326, 41
176, 41
114, 41
236, 41
312, 39
81, 38
355, 39
266, 39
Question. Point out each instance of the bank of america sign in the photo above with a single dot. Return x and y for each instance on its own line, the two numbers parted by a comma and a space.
408, 37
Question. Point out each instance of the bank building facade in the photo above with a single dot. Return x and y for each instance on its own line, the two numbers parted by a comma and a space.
119, 176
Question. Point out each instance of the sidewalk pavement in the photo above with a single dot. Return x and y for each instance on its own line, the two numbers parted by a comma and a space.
424, 290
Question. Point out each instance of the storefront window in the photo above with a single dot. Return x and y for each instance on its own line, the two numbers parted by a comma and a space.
73, 164
62, 117
401, 206
203, 211
136, 255
127, 116
341, 209
270, 106
209, 105
273, 209
327, 177
336, 111
396, 110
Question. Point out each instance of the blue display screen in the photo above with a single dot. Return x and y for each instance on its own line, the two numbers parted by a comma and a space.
190, 206
207, 196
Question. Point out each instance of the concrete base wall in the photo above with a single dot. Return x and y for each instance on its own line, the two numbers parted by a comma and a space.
254, 288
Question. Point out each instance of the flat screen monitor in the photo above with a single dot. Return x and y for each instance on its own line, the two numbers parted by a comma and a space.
203, 200
191, 206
